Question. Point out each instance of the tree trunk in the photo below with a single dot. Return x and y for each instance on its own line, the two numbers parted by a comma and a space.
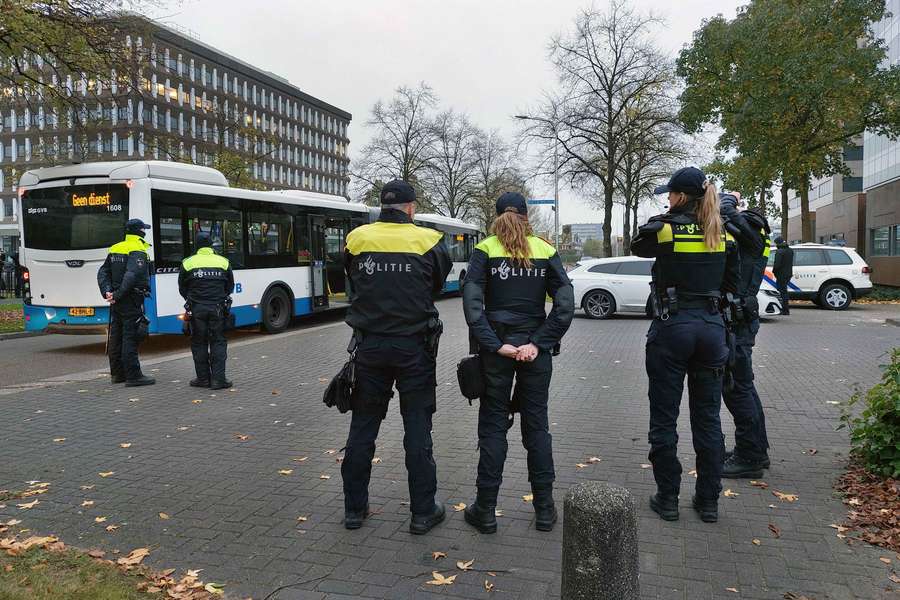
805, 216
784, 211
626, 224
762, 200
607, 218
634, 219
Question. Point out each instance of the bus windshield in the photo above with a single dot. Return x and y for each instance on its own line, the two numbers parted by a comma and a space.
77, 217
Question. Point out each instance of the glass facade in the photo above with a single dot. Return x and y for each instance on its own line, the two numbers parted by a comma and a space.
881, 162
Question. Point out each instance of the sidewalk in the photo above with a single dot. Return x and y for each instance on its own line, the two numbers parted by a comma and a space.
233, 515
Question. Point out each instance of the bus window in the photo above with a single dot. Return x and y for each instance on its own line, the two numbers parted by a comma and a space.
224, 229
74, 217
169, 251
456, 244
301, 233
270, 234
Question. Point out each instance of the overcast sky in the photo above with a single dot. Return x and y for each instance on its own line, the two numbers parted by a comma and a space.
487, 58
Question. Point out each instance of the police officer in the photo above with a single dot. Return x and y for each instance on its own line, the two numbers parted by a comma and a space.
783, 270
694, 266
206, 282
124, 280
750, 230
509, 277
395, 269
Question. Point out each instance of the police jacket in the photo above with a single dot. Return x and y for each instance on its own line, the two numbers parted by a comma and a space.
395, 269
750, 231
205, 278
504, 300
126, 269
683, 260
784, 262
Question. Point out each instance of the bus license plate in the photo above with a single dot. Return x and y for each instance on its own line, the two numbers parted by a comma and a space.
81, 312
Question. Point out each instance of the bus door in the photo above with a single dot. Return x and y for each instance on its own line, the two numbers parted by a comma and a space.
319, 283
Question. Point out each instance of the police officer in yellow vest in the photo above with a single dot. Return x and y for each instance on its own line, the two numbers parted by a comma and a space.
695, 267
206, 282
395, 270
124, 281
510, 275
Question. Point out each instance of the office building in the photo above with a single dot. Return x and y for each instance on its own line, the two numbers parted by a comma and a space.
193, 102
582, 232
881, 177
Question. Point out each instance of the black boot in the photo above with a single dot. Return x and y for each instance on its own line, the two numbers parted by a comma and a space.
481, 514
422, 524
765, 463
707, 509
736, 467
220, 385
197, 382
354, 519
545, 514
665, 506
142, 380
117, 379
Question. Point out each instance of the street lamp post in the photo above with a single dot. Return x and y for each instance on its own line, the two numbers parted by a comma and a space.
555, 125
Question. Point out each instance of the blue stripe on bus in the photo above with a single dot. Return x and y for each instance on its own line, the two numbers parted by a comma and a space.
38, 318
243, 316
451, 286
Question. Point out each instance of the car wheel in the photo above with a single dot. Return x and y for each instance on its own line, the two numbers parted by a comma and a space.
835, 296
599, 304
276, 311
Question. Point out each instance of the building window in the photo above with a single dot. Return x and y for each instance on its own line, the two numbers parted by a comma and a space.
881, 241
852, 184
124, 145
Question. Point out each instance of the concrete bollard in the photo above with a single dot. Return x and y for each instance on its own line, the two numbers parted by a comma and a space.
600, 546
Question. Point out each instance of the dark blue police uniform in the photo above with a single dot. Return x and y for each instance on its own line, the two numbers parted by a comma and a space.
395, 270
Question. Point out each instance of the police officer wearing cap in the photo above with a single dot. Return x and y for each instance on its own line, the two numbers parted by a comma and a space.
695, 266
206, 282
510, 275
395, 270
124, 281
750, 230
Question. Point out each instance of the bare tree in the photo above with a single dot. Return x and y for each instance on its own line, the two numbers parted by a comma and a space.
451, 172
496, 173
606, 65
402, 137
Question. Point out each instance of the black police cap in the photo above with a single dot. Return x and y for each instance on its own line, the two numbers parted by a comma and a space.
689, 180
136, 226
203, 240
512, 201
397, 192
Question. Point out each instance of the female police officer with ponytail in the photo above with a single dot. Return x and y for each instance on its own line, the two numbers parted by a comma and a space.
509, 277
695, 266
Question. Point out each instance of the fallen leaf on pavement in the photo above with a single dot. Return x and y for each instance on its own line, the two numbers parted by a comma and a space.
734, 590
376, 460
693, 473
885, 560
785, 497
645, 465
498, 512
488, 586
276, 392
39, 484
183, 428
59, 439
580, 465
125, 445
242, 437
87, 503
324, 476
528, 497
134, 557
197, 401
215, 589
436, 555
27, 505
111, 528
812, 451
164, 516
302, 519
12, 522
285, 471
332, 451
594, 459
465, 565
756, 542
459, 507
106, 474
854, 502
775, 530
301, 459
840, 528
439, 579
134, 399
87, 487
894, 578
195, 573
99, 519
760, 484
730, 494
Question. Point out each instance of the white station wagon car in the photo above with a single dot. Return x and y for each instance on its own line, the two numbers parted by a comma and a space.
606, 286
831, 276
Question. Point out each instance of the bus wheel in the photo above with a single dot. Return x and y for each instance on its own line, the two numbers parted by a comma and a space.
276, 311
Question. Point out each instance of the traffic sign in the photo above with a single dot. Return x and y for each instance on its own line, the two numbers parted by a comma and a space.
533, 202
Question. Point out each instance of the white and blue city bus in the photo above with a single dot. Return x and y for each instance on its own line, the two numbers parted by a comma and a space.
286, 247
460, 238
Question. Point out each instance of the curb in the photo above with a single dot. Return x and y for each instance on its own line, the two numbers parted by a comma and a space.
21, 334
894, 322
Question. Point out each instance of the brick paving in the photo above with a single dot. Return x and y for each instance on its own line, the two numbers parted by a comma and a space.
233, 515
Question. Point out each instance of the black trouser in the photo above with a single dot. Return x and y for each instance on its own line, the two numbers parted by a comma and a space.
692, 343
380, 363
124, 315
781, 284
751, 440
208, 343
532, 384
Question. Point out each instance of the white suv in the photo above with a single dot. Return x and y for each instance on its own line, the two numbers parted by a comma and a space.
831, 276
605, 286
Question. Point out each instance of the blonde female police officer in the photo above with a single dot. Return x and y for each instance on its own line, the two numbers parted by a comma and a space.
695, 265
509, 277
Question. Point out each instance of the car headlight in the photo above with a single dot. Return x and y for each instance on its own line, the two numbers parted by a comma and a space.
772, 293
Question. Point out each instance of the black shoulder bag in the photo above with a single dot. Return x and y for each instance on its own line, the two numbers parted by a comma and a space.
342, 386
471, 377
